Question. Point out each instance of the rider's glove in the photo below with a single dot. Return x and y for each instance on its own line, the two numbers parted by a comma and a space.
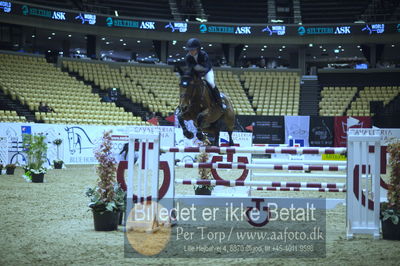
199, 68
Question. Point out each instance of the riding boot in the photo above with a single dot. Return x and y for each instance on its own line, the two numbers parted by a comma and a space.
217, 97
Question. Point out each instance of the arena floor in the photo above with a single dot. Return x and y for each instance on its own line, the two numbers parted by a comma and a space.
50, 223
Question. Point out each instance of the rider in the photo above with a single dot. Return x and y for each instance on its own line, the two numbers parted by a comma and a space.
198, 60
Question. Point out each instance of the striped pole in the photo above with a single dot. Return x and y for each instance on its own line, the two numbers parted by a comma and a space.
300, 189
299, 175
233, 183
313, 162
262, 166
255, 150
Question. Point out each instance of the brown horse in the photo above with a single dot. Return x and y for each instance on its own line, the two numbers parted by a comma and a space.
197, 104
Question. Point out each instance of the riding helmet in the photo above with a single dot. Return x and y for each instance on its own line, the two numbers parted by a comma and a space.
193, 44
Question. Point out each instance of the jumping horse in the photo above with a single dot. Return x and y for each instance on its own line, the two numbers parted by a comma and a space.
197, 103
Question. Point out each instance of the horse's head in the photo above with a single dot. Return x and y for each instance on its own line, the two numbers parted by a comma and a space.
187, 89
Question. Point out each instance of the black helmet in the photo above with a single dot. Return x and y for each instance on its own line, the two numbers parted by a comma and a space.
193, 44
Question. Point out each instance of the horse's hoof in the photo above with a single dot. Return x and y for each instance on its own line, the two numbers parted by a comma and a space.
188, 134
200, 136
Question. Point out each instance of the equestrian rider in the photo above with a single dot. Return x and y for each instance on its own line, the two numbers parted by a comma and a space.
199, 61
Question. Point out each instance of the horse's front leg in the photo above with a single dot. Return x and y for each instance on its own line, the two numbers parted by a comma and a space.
186, 132
200, 124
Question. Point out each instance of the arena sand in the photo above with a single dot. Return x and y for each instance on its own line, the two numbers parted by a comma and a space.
50, 224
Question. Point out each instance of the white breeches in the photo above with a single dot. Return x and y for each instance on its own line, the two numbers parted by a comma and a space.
210, 78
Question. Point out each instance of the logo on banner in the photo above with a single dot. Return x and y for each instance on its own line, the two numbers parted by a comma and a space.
377, 28
301, 30
148, 25
6, 6
26, 130
344, 128
77, 139
243, 30
56, 15
203, 28
180, 26
278, 30
89, 18
110, 22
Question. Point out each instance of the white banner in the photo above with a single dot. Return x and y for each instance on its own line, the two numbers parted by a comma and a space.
298, 128
79, 141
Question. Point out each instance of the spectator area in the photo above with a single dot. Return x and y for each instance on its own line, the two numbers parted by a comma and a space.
31, 80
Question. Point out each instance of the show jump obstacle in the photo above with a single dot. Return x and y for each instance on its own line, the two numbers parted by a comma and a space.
362, 185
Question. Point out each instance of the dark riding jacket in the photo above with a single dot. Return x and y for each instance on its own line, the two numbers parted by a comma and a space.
202, 59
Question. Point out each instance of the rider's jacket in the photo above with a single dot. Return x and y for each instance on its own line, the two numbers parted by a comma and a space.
202, 59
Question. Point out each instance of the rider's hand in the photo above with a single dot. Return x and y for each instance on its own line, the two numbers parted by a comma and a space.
199, 68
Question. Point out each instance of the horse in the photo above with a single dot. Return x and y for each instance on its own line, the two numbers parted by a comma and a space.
196, 103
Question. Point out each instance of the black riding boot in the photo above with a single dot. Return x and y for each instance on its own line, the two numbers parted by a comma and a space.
217, 97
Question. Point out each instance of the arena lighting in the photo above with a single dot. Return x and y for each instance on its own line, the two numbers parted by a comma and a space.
265, 46
392, 45
359, 21
49, 38
336, 51
138, 41
339, 46
358, 46
283, 46
244, 49
173, 42
262, 49
53, 33
310, 45
69, 35
121, 40
201, 20
324, 50
49, 51
103, 39
33, 36
116, 13
124, 44
246, 46
276, 21
107, 42
210, 44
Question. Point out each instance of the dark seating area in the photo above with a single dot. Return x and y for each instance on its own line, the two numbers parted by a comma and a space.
252, 11
66, 4
330, 11
365, 78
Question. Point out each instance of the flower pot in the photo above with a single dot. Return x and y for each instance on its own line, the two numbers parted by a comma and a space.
202, 191
58, 165
37, 178
390, 231
10, 171
106, 221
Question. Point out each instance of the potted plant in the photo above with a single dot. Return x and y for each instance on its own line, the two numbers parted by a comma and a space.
205, 174
10, 168
35, 148
106, 198
58, 163
390, 211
